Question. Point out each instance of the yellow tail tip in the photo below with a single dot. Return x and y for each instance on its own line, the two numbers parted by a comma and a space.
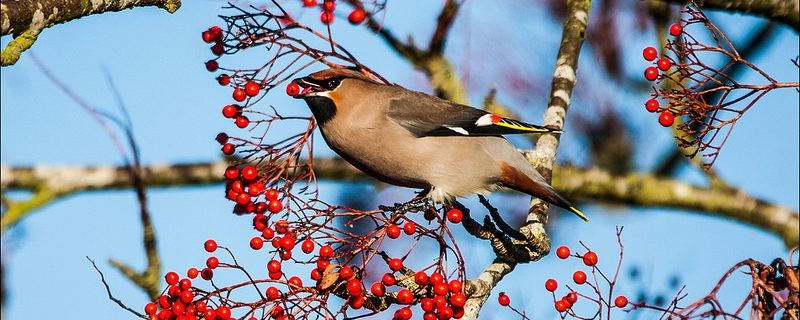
579, 213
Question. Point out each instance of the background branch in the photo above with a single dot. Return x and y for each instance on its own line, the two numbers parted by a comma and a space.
784, 11
25, 19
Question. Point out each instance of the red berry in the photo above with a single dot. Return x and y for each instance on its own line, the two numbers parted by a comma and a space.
242, 122
441, 289
187, 296
354, 287
378, 289
427, 304
346, 273
274, 266
562, 305
231, 173
590, 258
150, 308
388, 279
256, 243
551, 285
192, 272
293, 89
579, 277
316, 275
171, 278
444, 313
454, 215
323, 264
276, 312
326, 17
272, 194
221, 137
356, 302
436, 278
185, 284
212, 65
329, 5
404, 314
649, 53
230, 111
651, 73
256, 188
207, 274
675, 29
275, 206
295, 282
666, 118
503, 299
275, 275
421, 278
243, 198
562, 252
287, 243
356, 16
455, 286
395, 264
223, 312
210, 245
621, 301
252, 88
267, 233
207, 36
458, 313
393, 231
212, 262
458, 300
309, 3
410, 228
228, 149
273, 293
664, 64
224, 80
307, 246
405, 296
326, 252
571, 297
217, 49
249, 173
651, 105
239, 94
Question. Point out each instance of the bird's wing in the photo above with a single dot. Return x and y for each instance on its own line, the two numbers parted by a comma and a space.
424, 115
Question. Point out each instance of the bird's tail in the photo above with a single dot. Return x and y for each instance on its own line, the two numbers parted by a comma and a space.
515, 179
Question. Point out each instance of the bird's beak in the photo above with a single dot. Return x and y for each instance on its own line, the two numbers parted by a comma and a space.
309, 85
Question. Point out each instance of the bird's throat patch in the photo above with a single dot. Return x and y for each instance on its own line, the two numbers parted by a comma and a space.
323, 108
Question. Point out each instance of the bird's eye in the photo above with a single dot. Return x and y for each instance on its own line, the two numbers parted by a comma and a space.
333, 83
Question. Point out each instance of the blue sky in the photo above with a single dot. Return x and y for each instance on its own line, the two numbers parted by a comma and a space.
156, 62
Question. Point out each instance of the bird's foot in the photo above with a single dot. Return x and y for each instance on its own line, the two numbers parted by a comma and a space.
417, 204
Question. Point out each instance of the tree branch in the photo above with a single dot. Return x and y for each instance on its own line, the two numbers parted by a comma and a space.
638, 189
25, 19
783, 11
543, 157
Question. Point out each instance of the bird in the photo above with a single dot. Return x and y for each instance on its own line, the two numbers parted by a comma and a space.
411, 139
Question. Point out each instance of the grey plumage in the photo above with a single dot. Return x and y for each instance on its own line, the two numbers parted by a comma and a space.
415, 140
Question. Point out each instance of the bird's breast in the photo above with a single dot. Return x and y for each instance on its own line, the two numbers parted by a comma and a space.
381, 153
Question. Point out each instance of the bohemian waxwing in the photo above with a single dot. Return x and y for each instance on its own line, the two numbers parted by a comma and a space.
411, 139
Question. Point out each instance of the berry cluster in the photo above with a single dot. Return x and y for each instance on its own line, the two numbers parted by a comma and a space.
599, 288
356, 16
273, 184
666, 117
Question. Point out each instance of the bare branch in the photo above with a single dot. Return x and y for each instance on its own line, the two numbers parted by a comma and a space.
111, 296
